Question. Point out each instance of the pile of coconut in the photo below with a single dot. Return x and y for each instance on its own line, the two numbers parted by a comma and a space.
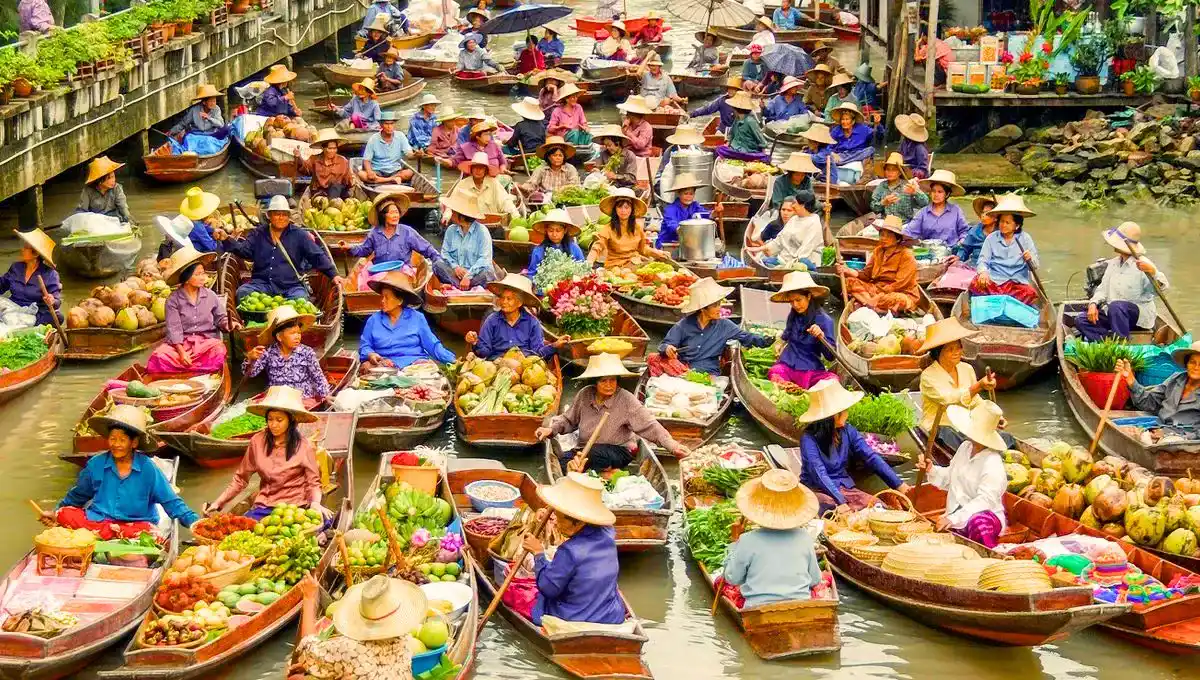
135, 303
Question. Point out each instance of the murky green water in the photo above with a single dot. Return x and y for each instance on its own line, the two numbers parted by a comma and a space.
663, 587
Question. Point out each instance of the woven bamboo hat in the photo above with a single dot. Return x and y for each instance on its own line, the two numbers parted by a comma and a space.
206, 91
280, 316
913, 127
126, 416
898, 161
944, 332
893, 224
777, 500
1181, 355
561, 75
979, 424
636, 103
980, 201
399, 282
790, 83
734, 82
818, 132
1126, 238
799, 281
946, 178
383, 608
461, 204
518, 284
557, 216
183, 258
555, 142
566, 91
380, 23
798, 161
1011, 204
1015, 576
482, 13
741, 101
279, 74
839, 80
827, 399
101, 167
198, 204
400, 198
686, 180
607, 203
851, 107
579, 497
42, 244
610, 131
529, 109
685, 135
429, 99
478, 158
653, 60
367, 84
819, 68
325, 136
605, 365
821, 49
703, 293
766, 23
701, 35
283, 398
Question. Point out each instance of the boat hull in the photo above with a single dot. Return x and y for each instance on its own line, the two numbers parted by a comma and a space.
180, 169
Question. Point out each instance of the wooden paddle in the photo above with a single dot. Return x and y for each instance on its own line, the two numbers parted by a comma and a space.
828, 235
832, 350
720, 217
583, 455
1037, 279
989, 373
931, 440
37, 509
1157, 288
1112, 394
54, 314
346, 571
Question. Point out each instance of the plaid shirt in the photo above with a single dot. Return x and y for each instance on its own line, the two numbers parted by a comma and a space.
547, 180
906, 208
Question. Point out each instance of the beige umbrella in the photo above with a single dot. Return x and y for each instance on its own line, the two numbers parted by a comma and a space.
712, 12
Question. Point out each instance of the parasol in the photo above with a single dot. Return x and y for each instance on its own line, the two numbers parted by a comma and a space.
712, 12
523, 18
788, 60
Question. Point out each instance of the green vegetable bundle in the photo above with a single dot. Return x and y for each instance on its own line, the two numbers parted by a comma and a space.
243, 424
884, 414
758, 360
709, 533
793, 404
728, 480
698, 377
21, 350
577, 195
1102, 357
407, 510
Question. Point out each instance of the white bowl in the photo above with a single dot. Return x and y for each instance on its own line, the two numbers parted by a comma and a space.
457, 594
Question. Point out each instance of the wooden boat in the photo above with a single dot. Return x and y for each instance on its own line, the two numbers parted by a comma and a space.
696, 85
14, 383
1174, 458
753, 196
93, 344
430, 68
105, 620
781, 630
887, 372
655, 314
172, 419
614, 87
383, 431
341, 75
98, 260
1014, 353
199, 446
322, 336
408, 89
361, 304
496, 83
588, 655
853, 246
460, 313
624, 327
173, 169
857, 197
588, 26
404, 42
807, 38
423, 194
506, 430
667, 118
694, 433
266, 167
334, 239
637, 530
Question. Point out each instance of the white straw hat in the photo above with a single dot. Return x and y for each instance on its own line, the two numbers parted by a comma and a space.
944, 332
578, 496
280, 316
383, 608
777, 500
127, 416
528, 108
799, 281
827, 399
520, 285
703, 293
980, 424
1126, 238
944, 177
1011, 204
605, 365
283, 398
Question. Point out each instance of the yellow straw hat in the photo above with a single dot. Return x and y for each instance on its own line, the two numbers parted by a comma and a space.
101, 167
557, 216
944, 332
799, 281
399, 282
555, 142
777, 500
898, 161
206, 91
198, 204
181, 259
400, 198
126, 416
741, 101
980, 424
283, 398
980, 201
279, 74
280, 316
827, 399
518, 284
383, 608
579, 497
42, 244
607, 203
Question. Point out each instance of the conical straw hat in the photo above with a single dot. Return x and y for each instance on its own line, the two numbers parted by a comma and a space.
980, 424
685, 135
383, 608
798, 161
827, 399
944, 332
42, 244
1011, 204
946, 178
125, 415
283, 398
520, 285
605, 365
578, 496
399, 282
799, 281
181, 259
777, 500
278, 317
818, 132
703, 293
557, 216
100, 167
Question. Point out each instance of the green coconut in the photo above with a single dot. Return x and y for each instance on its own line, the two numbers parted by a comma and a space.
1018, 476
1088, 519
1076, 464
1049, 481
1179, 542
1095, 486
1146, 525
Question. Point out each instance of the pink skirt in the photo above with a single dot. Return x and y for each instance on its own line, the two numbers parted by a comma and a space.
208, 356
781, 372
983, 527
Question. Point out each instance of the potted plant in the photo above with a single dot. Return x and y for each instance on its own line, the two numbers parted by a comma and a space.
1141, 80
1089, 57
1193, 88
1096, 363
1062, 83
1029, 72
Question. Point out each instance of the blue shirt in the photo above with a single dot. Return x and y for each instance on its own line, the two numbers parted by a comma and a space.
374, 9
275, 103
539, 254
828, 472
853, 147
865, 93
779, 108
131, 499
409, 340
201, 237
701, 348
969, 248
721, 106
1003, 261
394, 70
754, 71
496, 336
915, 154
803, 352
420, 129
398, 248
471, 251
672, 215
368, 110
580, 584
387, 158
786, 21
30, 293
268, 263
551, 48
771, 565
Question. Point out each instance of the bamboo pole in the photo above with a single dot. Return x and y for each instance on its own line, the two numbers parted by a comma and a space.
931, 65
1112, 394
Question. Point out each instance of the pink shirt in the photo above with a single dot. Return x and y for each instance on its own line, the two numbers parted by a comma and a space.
280, 480
562, 120
495, 155
641, 136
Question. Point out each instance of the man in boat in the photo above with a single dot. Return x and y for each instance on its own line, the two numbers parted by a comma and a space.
720, 106
777, 562
684, 207
785, 104
279, 252
24, 279
823, 54
399, 334
330, 170
101, 192
118, 490
1124, 300
287, 361
202, 117
628, 420
390, 75
1175, 401
466, 260
421, 124
699, 338
480, 186
383, 157
658, 85
512, 325
817, 95
787, 17
378, 8
278, 99
889, 281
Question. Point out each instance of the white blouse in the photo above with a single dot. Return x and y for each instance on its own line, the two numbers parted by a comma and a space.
973, 484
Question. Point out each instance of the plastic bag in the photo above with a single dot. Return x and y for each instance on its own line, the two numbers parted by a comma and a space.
1164, 64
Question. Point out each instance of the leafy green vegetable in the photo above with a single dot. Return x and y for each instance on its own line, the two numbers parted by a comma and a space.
709, 533
828, 255
699, 377
577, 195
558, 266
758, 360
1102, 357
22, 350
243, 424
794, 404
884, 414
728, 480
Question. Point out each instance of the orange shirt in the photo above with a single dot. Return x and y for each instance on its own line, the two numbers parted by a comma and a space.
893, 270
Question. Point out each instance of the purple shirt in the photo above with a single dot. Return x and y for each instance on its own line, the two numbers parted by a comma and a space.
496, 336
828, 472
949, 227
269, 264
300, 370
803, 352
275, 103
35, 15
580, 583
853, 147
398, 248
206, 318
25, 294
916, 156
495, 155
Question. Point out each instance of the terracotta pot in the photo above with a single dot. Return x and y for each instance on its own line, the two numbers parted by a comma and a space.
22, 88
1087, 84
1194, 95
239, 6
168, 31
183, 28
1060, 89
1127, 88
1021, 88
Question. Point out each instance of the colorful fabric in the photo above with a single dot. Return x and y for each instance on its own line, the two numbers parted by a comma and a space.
208, 356
204, 318
1124, 282
70, 517
281, 480
109, 497
1002, 258
948, 227
29, 292
1021, 291
497, 336
641, 137
387, 157
270, 267
781, 372
111, 203
701, 348
580, 583
772, 565
628, 419
530, 60
399, 247
408, 340
906, 205
672, 215
828, 472
301, 369
803, 352
984, 528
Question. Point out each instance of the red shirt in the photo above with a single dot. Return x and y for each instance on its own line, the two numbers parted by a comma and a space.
530, 60
651, 32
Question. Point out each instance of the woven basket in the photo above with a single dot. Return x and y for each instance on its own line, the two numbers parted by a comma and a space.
885, 522
906, 531
1015, 576
912, 560
52, 558
932, 537
871, 554
959, 573
850, 539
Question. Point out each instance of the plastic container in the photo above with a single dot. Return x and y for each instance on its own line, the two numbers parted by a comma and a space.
1003, 310
1097, 386
481, 504
427, 661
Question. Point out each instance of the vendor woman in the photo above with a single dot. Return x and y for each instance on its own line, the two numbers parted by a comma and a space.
830, 445
745, 140
558, 233
684, 207
1124, 300
628, 420
969, 248
466, 257
975, 481
389, 240
808, 324
288, 361
1008, 256
512, 325
399, 334
24, 279
622, 239
283, 459
118, 489
1174, 402
195, 318
797, 180
897, 194
949, 380
698, 339
618, 163
889, 281
941, 220
556, 173
101, 192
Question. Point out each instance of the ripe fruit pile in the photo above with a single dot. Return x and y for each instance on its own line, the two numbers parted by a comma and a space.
287, 521
290, 560
171, 632
204, 560
261, 302
219, 526
437, 571
180, 592
367, 554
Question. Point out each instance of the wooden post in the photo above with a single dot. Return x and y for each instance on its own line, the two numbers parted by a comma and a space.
1189, 46
931, 65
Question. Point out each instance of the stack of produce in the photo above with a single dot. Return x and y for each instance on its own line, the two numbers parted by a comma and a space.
655, 281
751, 175
788, 397
204, 560
288, 521
180, 592
172, 632
514, 384
687, 397
419, 389
582, 307
260, 303
610, 346
61, 537
714, 472
577, 195
420, 522
238, 426
587, 233
624, 491
279, 127
217, 527
558, 266
247, 543
408, 510
881, 418
40, 621
252, 596
874, 335
337, 214
129, 305
289, 560
22, 349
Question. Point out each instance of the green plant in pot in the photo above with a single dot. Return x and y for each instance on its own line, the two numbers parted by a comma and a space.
1141, 80
1193, 88
1089, 56
1062, 83
1029, 71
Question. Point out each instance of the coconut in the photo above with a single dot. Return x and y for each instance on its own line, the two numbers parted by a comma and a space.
1049, 481
466, 383
1193, 518
1088, 519
1187, 485
117, 298
1147, 525
145, 317
147, 269
159, 308
1015, 456
127, 320
1103, 467
1157, 489
486, 370
1018, 477
1110, 504
512, 364
1040, 499
1138, 475
1113, 529
140, 298
102, 316
535, 376
134, 283
1179, 542
77, 317
1176, 512
1068, 500
1076, 464
1095, 486
91, 303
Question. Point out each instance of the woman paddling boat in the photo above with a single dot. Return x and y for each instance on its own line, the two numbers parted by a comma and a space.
512, 325
196, 317
33, 280
1008, 256
802, 360
285, 358
102, 194
399, 334
941, 220
1125, 298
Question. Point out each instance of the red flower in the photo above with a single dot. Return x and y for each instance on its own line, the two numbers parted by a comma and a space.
1006, 58
1046, 47
1025, 57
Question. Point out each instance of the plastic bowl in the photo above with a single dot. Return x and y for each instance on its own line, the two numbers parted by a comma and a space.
457, 594
427, 661
481, 504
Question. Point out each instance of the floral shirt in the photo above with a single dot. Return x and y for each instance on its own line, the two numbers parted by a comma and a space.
301, 370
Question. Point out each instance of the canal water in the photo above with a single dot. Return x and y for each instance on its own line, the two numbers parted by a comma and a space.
664, 588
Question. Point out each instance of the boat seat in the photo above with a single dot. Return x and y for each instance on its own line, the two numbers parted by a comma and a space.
459, 464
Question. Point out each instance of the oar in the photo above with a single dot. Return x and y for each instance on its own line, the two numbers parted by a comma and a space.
832, 350
930, 442
1112, 394
1037, 279
53, 314
1157, 288
721, 219
989, 373
735, 532
828, 235
36, 508
347, 573
583, 455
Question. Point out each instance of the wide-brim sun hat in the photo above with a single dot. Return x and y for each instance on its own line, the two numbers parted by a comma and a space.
818, 132
560, 217
1011, 204
794, 282
703, 293
367, 84
636, 104
735, 82
283, 398
686, 180
850, 107
579, 497
280, 316
777, 500
478, 158
518, 284
611, 132
126, 416
893, 224
427, 99
827, 399
840, 80
324, 137
462, 205
198, 204
558, 74
399, 282
101, 167
1181, 355
482, 13
379, 23
766, 23
607, 203
819, 48
798, 161
819, 68
700, 35
383, 608
182, 259
279, 74
653, 60
555, 142
980, 424
605, 365
913, 127
685, 135
741, 101
945, 178
566, 91
400, 198
898, 161
529, 109
863, 73
1126, 238
980, 201
790, 83
206, 91
42, 244
177, 229
944, 332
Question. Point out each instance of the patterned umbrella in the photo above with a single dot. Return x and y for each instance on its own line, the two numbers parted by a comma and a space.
712, 12
789, 60
523, 18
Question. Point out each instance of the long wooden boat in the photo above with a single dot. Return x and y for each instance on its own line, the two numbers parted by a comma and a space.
409, 88
624, 327
430, 68
266, 167
341, 75
383, 431
496, 83
175, 419
614, 87
404, 42
807, 38
423, 193
637, 530
588, 26
333, 239
696, 85
103, 620
94, 344
361, 304
458, 314
1174, 458
172, 169
506, 430
92, 260
656, 314
1014, 353
322, 336
886, 372
14, 383
205, 450
590, 655
853, 246
694, 433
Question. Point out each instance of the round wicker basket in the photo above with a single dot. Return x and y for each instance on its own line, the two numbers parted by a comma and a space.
1015, 576
932, 537
906, 531
912, 560
847, 539
871, 554
885, 522
959, 573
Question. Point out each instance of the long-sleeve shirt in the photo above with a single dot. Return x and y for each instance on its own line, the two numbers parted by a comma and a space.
274, 102
399, 247
906, 205
530, 133
268, 263
442, 142
816, 97
704, 56
496, 159
786, 20
476, 60
367, 109
938, 389
783, 188
972, 244
641, 137
802, 238
628, 419
408, 340
973, 484
327, 173
27, 293
374, 9
803, 352
497, 336
701, 348
111, 203
539, 254
489, 196
281, 480
1002, 260
720, 106
660, 88
915, 155
771, 565
192, 121
551, 48
1123, 281
853, 147
547, 179
129, 499
34, 15
616, 50
471, 250
375, 51
530, 60
387, 157
625, 169
301, 370
580, 583
672, 215
828, 472
949, 227
617, 251
201, 237
866, 93
892, 270
754, 70
564, 119
779, 108
206, 317
1167, 402
745, 136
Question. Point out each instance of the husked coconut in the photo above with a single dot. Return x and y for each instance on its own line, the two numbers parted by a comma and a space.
77, 317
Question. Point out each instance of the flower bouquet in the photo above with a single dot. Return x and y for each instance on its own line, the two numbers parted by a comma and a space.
582, 307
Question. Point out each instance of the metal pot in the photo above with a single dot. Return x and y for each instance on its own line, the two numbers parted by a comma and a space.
698, 239
700, 165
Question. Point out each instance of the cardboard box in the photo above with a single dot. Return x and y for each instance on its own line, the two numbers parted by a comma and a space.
994, 71
956, 75
989, 49
977, 73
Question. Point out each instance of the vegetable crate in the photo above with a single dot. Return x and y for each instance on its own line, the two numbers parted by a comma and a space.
154, 39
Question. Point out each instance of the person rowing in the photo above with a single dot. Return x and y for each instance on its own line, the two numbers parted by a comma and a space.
802, 361
512, 324
699, 338
25, 278
1008, 256
1175, 401
288, 361
950, 381
889, 282
1124, 300
399, 334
